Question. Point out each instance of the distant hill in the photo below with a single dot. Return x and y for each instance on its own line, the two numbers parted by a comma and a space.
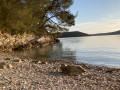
110, 33
73, 34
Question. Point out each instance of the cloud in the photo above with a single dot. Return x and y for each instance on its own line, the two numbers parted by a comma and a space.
102, 26
110, 16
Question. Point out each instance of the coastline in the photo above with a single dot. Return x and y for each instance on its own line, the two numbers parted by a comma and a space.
24, 73
26, 41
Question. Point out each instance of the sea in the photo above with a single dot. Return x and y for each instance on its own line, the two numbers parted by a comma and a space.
94, 50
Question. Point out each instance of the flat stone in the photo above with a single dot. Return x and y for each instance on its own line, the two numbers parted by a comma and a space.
73, 70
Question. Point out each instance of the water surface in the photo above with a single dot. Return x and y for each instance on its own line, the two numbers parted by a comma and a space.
96, 50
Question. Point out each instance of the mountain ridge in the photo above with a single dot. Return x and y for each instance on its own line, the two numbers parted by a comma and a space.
109, 33
73, 34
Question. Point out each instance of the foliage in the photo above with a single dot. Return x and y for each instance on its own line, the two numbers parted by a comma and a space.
35, 16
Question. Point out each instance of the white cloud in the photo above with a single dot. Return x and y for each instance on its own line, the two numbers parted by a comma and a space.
102, 26
110, 16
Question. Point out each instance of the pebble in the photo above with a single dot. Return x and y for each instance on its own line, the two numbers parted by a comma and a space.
7, 59
48, 76
17, 61
2, 65
9, 66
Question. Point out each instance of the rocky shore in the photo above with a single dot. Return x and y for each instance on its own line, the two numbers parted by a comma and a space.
17, 73
11, 42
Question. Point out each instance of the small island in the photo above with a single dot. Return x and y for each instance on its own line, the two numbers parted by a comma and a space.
73, 34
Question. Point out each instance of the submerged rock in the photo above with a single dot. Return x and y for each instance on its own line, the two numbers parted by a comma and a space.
72, 70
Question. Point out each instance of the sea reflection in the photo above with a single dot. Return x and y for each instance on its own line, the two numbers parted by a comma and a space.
60, 52
96, 50
34, 53
57, 52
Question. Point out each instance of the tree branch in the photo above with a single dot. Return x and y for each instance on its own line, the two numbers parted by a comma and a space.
46, 21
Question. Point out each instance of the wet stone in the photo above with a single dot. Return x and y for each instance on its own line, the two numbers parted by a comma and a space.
109, 71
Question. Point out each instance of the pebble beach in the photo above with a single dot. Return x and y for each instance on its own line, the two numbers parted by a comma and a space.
17, 73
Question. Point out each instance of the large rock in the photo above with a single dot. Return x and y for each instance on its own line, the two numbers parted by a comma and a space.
37, 42
9, 42
73, 70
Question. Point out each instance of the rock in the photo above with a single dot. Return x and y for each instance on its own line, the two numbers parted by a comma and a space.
23, 60
45, 44
26, 41
72, 70
1, 43
7, 59
2, 65
29, 46
17, 60
36, 61
2, 85
109, 71
56, 40
5, 66
44, 62
10, 42
39, 62
9, 66
9, 50
118, 80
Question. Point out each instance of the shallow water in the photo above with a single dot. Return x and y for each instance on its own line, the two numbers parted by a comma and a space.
96, 50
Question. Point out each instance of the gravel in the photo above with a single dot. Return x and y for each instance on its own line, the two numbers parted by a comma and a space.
24, 74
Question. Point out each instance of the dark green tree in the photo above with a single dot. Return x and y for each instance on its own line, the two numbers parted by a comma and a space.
35, 16
57, 16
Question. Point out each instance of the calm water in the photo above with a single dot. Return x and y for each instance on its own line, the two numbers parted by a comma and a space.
96, 50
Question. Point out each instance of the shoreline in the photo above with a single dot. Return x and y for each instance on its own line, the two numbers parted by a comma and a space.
8, 42
24, 73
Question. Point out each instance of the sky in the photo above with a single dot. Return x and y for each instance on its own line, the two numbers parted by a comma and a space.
96, 16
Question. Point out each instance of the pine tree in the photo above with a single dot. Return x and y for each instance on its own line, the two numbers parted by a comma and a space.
35, 16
